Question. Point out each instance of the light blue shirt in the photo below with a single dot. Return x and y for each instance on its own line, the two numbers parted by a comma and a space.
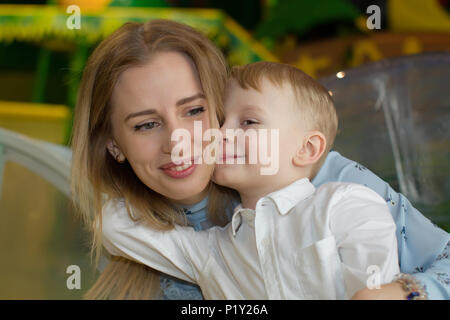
423, 247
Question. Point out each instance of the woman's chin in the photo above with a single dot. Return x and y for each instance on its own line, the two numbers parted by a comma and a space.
187, 198
189, 190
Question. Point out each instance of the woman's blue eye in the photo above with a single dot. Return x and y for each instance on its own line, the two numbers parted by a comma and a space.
146, 126
196, 111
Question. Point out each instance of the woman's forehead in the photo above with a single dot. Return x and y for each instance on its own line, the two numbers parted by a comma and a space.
167, 78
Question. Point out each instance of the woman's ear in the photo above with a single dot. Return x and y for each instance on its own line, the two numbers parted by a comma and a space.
312, 148
115, 151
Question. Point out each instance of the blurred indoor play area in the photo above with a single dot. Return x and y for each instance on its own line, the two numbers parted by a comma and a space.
389, 77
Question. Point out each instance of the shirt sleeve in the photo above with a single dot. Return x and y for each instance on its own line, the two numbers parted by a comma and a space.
420, 242
365, 237
170, 252
436, 279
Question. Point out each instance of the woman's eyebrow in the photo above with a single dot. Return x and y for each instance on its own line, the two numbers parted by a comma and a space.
178, 103
140, 113
191, 98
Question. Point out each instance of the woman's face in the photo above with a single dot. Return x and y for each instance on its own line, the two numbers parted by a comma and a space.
148, 103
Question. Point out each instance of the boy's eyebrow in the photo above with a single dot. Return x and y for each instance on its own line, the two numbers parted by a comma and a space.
253, 107
178, 103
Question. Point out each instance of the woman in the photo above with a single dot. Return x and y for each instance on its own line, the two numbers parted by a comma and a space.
140, 84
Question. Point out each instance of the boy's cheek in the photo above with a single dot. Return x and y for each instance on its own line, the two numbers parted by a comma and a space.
231, 175
223, 176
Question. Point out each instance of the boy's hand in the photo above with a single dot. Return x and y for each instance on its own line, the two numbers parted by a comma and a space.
390, 291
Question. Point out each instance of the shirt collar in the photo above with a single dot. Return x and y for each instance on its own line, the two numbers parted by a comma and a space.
285, 199
196, 207
236, 220
288, 197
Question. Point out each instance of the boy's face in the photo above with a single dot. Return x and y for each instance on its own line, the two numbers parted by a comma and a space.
272, 110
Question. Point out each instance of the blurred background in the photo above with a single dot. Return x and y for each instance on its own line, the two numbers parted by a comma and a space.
387, 68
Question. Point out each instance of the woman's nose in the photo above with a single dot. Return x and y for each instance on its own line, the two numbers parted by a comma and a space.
178, 138
169, 137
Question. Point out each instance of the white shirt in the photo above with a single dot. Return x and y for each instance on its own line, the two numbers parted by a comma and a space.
299, 243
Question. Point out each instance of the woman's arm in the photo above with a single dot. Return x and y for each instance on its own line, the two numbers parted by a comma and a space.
178, 252
420, 242
436, 279
365, 238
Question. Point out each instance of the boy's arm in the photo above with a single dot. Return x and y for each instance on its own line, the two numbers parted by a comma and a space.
365, 238
174, 252
421, 244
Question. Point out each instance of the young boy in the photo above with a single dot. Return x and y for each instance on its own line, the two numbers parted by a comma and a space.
287, 239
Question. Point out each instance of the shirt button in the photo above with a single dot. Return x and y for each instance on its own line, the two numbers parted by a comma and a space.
264, 203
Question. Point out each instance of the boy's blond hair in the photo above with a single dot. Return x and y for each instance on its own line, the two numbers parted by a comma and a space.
315, 103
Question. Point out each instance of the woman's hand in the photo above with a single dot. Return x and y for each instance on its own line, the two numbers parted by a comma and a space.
389, 291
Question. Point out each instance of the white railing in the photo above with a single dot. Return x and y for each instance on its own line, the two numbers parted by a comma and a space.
48, 160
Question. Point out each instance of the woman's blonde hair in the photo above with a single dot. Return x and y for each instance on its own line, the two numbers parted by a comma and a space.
96, 177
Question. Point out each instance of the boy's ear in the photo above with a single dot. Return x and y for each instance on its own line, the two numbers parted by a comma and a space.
312, 148
115, 151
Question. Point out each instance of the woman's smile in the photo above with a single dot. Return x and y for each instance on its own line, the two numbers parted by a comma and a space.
181, 171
